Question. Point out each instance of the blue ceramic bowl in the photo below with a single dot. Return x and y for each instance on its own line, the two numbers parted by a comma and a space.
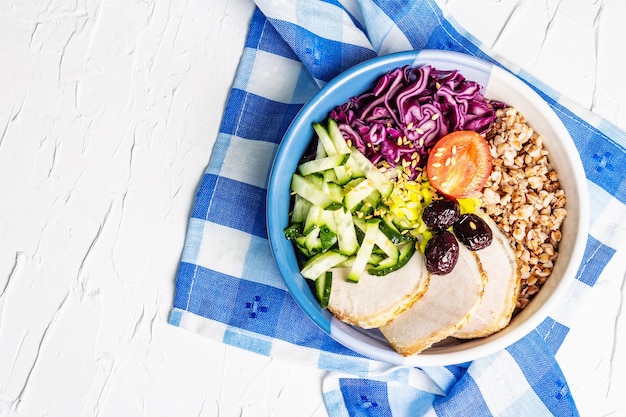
498, 85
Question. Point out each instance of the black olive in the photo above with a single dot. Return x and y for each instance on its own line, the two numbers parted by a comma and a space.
441, 214
472, 231
441, 253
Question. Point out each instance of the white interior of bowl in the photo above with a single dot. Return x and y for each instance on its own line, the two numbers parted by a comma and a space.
502, 86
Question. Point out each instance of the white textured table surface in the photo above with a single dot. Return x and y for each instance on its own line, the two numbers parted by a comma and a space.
108, 113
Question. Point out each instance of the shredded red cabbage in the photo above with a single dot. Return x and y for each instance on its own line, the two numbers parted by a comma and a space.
408, 110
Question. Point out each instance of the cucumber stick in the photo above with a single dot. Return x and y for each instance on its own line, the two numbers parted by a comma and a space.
354, 198
324, 139
304, 187
301, 207
380, 181
337, 137
346, 234
344, 172
380, 239
328, 229
407, 250
391, 231
323, 285
321, 263
322, 164
365, 251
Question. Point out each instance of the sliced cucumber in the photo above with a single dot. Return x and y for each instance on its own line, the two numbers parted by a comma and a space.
299, 241
346, 235
322, 164
323, 285
334, 190
316, 179
312, 242
407, 250
352, 183
324, 139
365, 251
353, 168
370, 203
327, 218
391, 231
321, 263
386, 245
307, 189
328, 229
293, 231
328, 238
320, 152
354, 198
337, 137
380, 181
301, 207
309, 244
330, 176
312, 219
360, 223
342, 174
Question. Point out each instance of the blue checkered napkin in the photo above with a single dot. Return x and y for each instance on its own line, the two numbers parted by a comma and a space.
227, 286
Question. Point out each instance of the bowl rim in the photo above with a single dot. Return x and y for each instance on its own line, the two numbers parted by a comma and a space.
474, 69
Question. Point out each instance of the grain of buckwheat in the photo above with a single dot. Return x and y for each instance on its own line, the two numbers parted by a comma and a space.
524, 197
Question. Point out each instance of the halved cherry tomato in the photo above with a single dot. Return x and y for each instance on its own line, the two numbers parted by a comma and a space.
459, 164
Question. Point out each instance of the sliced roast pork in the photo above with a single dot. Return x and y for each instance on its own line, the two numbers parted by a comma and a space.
375, 300
446, 306
498, 261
